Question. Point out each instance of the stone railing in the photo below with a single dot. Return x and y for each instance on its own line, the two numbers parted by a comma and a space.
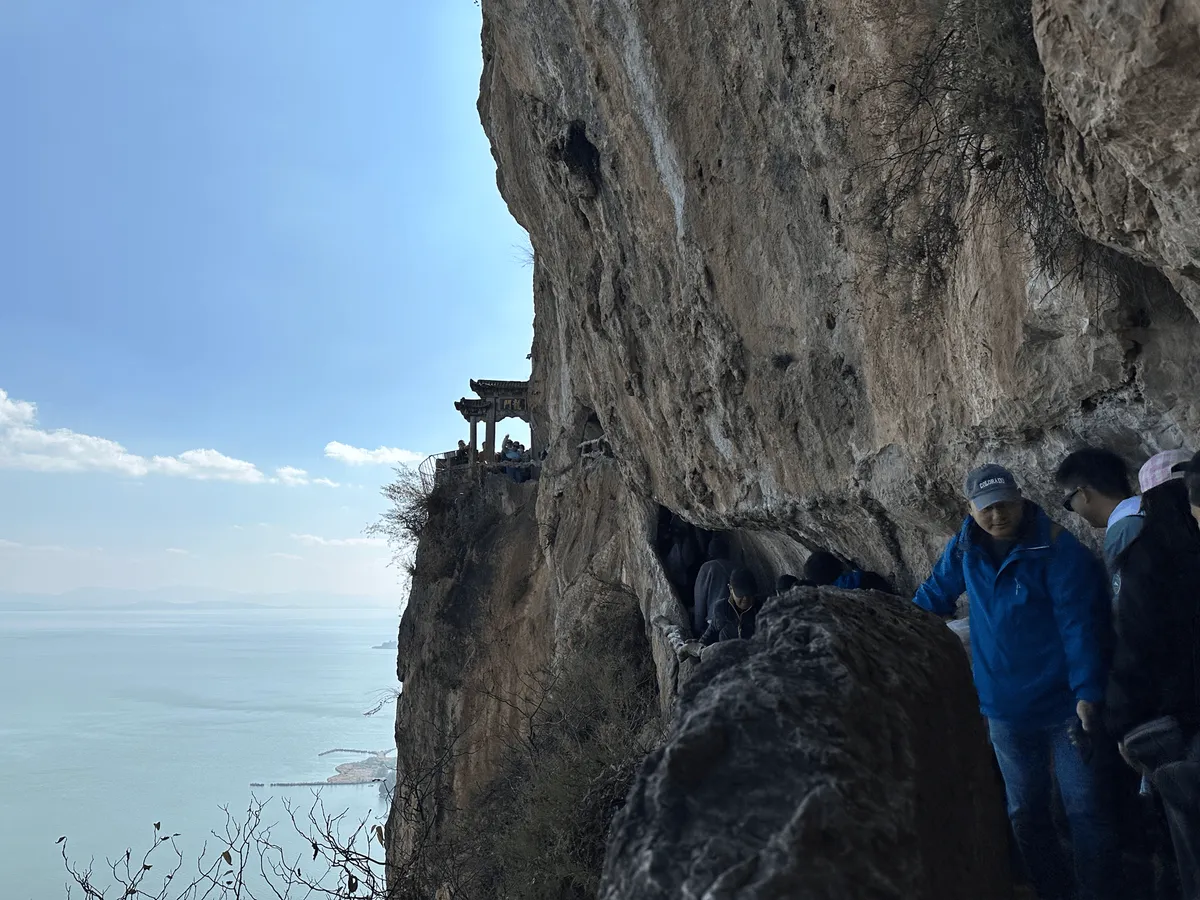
436, 468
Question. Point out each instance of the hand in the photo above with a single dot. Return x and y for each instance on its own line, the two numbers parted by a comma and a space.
691, 648
1087, 714
1141, 770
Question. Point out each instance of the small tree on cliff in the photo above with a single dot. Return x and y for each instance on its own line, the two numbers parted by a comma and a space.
962, 124
412, 503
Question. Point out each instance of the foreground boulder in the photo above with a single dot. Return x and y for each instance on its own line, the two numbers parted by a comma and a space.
839, 754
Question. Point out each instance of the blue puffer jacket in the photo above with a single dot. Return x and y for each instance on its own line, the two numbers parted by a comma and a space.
1040, 622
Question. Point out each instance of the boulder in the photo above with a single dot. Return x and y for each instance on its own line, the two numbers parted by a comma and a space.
838, 754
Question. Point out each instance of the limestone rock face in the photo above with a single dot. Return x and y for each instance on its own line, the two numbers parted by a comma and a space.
477, 621
694, 174
837, 754
1124, 86
506, 575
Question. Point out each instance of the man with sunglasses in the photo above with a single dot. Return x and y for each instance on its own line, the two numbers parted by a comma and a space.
1096, 488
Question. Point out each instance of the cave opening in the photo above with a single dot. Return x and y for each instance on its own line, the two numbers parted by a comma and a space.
591, 441
579, 153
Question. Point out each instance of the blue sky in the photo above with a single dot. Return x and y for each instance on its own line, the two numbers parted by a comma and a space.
231, 235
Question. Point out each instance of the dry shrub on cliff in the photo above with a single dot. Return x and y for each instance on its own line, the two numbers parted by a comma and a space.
412, 504
963, 125
417, 507
589, 720
250, 859
538, 830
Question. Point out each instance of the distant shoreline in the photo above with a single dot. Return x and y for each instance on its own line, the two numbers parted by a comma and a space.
379, 766
179, 598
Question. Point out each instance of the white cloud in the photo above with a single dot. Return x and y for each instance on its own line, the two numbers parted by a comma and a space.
313, 540
29, 448
25, 446
380, 456
38, 548
292, 476
208, 465
15, 412
291, 556
179, 552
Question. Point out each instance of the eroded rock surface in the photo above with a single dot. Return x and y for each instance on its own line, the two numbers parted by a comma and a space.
476, 623
837, 754
1124, 86
709, 283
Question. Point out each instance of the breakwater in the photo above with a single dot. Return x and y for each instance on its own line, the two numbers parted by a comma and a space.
313, 783
363, 752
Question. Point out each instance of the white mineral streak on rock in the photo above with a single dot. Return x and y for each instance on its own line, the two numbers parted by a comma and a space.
640, 70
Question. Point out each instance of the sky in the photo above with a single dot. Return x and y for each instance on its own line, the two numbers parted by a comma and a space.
250, 255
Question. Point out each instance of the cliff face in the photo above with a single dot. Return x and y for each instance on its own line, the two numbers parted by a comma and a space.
719, 292
473, 628
1124, 100
695, 178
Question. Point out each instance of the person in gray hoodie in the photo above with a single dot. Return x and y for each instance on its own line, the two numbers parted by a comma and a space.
712, 584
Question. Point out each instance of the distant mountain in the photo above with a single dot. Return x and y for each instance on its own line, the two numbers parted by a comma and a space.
190, 597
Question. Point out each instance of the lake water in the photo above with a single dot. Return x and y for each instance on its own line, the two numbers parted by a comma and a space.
111, 721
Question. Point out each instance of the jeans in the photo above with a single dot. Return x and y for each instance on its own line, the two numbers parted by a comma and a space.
1178, 783
1025, 756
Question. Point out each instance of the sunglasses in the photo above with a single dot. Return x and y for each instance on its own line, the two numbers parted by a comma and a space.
1070, 498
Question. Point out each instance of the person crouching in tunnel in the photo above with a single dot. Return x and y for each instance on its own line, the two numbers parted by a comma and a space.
787, 581
1040, 624
733, 617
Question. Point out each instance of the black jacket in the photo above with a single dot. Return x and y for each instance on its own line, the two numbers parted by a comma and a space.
728, 623
1154, 663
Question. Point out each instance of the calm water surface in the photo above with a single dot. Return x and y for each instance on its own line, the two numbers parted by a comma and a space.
111, 721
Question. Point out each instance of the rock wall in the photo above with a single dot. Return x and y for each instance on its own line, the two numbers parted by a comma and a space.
1124, 98
694, 176
476, 622
506, 576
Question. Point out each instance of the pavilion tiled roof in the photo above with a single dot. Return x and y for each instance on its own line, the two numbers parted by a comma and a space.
470, 406
488, 386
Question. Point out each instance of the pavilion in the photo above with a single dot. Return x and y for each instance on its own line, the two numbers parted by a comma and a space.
497, 400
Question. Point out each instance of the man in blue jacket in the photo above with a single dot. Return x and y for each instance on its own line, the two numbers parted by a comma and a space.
1039, 623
